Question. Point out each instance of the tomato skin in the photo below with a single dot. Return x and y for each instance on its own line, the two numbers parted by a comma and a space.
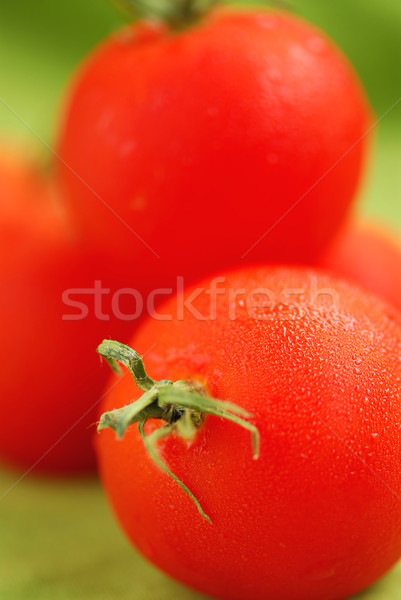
318, 515
49, 370
370, 256
209, 136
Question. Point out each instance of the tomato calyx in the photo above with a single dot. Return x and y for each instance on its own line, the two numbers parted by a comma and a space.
182, 405
178, 14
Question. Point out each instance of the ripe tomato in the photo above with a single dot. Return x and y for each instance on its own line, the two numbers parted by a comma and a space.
370, 256
49, 373
318, 515
248, 125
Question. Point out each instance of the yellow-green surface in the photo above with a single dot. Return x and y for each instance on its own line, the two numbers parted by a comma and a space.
58, 540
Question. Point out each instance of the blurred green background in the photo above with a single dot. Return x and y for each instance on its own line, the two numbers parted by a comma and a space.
57, 539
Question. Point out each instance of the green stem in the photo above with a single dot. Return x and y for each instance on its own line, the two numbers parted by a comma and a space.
115, 351
178, 14
150, 447
183, 405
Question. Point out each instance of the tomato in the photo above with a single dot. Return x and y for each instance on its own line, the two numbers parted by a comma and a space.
370, 256
49, 372
240, 137
316, 362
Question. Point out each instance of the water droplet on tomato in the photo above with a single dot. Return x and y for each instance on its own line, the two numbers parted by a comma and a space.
267, 22
128, 148
322, 570
272, 158
212, 111
138, 203
316, 44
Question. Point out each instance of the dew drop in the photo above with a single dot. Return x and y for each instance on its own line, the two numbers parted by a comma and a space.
128, 148
267, 22
322, 570
316, 44
212, 111
138, 203
274, 74
272, 158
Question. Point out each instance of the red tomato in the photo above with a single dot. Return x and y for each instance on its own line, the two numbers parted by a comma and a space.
370, 256
49, 372
248, 126
318, 515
